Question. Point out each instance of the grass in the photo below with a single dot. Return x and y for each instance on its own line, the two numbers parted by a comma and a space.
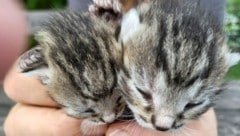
233, 73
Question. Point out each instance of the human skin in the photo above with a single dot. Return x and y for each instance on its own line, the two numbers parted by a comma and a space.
37, 113
13, 34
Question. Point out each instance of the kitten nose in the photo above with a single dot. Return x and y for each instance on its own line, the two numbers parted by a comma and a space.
108, 118
162, 123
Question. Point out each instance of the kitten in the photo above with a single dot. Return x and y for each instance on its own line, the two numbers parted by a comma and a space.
76, 59
174, 61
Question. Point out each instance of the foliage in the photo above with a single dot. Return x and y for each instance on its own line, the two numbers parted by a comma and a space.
44, 4
234, 73
232, 28
232, 23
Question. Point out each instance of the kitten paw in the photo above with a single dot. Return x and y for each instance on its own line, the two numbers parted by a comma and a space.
115, 5
110, 10
93, 8
30, 60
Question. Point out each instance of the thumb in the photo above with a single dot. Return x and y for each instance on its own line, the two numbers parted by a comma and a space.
132, 129
205, 125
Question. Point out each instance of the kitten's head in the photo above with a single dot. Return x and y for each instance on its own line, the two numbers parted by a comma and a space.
98, 109
173, 66
80, 51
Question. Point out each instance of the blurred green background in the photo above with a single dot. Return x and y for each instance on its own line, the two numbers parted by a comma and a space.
44, 4
232, 25
232, 28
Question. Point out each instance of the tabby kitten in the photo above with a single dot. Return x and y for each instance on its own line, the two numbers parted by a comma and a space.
174, 61
76, 60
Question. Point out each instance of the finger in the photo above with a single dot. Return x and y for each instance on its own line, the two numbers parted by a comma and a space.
29, 90
205, 125
13, 34
40, 121
131, 129
89, 128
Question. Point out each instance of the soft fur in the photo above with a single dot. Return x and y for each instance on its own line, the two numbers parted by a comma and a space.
78, 53
174, 62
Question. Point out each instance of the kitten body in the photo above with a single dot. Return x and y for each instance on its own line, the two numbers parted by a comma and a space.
76, 59
174, 61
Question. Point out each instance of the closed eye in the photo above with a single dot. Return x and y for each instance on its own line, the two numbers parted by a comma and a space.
145, 95
89, 111
192, 105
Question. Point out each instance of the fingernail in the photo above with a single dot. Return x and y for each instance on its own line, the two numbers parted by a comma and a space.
119, 132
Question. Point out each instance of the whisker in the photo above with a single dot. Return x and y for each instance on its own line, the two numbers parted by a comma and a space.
177, 132
202, 120
133, 125
129, 125
171, 134
190, 130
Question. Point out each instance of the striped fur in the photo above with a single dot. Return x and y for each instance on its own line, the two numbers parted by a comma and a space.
81, 52
173, 64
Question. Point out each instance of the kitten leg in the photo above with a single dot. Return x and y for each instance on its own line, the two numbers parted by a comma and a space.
32, 63
93, 8
30, 60
110, 10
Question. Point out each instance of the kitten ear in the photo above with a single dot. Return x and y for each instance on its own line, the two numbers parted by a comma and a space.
234, 59
130, 25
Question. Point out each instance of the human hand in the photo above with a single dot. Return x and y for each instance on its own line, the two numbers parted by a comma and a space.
13, 34
40, 115
36, 113
206, 125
